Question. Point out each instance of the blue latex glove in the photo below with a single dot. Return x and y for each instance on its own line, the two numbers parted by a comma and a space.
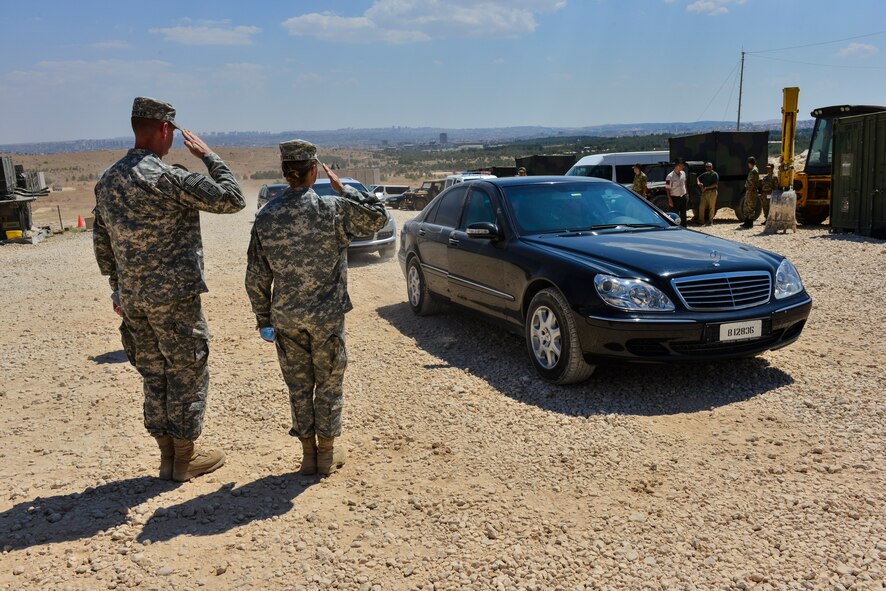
268, 333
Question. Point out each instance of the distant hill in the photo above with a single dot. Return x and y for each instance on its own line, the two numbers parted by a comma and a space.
393, 136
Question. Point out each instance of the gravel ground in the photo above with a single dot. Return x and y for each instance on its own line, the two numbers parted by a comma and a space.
465, 470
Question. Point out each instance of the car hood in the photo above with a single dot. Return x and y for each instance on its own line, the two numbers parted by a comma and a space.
665, 253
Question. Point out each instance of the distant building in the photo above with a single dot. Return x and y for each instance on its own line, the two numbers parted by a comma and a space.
444, 138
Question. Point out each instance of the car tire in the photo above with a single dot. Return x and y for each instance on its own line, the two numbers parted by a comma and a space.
552, 339
417, 292
420, 204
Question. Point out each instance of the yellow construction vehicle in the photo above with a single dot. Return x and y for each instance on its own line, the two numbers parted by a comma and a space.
813, 184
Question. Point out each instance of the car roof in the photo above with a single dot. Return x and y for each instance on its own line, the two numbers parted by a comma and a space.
514, 181
344, 179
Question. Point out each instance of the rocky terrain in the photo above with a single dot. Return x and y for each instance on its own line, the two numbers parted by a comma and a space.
466, 471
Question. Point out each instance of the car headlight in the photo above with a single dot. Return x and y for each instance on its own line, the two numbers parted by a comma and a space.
631, 294
787, 280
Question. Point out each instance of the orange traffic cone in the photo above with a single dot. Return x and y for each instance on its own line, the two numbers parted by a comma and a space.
80, 223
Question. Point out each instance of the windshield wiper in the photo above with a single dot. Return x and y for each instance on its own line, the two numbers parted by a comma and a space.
642, 225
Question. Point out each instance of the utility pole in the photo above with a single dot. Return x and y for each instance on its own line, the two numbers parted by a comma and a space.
740, 84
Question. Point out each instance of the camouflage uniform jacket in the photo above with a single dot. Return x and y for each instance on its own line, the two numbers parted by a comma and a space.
639, 185
768, 184
297, 263
752, 183
147, 224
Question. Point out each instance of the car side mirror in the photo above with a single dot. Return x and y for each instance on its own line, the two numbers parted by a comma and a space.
483, 231
675, 217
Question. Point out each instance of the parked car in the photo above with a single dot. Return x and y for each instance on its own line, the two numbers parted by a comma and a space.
617, 166
384, 241
268, 192
588, 272
387, 192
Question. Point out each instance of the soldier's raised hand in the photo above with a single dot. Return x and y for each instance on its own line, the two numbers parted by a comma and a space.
196, 146
334, 181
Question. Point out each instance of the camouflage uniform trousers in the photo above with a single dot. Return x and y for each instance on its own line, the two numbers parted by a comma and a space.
749, 206
169, 343
313, 362
707, 206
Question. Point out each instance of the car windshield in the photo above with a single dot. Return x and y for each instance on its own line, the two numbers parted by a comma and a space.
572, 207
326, 188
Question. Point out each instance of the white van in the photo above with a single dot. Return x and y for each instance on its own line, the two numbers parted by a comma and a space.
616, 166
454, 179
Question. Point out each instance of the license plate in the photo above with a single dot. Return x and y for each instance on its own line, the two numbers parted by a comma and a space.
741, 331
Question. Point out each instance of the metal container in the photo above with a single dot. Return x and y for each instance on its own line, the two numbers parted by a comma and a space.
858, 191
729, 152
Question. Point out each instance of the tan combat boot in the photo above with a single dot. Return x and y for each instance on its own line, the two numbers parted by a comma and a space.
191, 461
167, 456
329, 457
309, 455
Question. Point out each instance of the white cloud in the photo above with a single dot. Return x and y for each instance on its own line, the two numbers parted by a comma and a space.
410, 21
858, 50
190, 32
112, 44
712, 7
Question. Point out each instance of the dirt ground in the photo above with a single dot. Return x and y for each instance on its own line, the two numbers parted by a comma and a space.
465, 470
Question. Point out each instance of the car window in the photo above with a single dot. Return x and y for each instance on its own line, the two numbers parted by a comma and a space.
624, 173
274, 191
397, 190
478, 209
600, 171
580, 206
449, 208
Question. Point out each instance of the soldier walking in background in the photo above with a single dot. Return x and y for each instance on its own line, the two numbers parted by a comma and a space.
296, 278
639, 185
147, 240
768, 184
751, 188
675, 183
708, 182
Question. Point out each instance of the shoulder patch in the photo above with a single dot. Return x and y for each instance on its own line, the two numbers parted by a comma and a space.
198, 184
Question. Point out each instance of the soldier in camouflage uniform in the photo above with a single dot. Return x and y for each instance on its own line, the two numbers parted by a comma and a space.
768, 184
296, 278
147, 240
751, 189
639, 185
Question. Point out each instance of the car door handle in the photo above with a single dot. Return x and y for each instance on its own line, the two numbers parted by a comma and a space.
453, 242
421, 232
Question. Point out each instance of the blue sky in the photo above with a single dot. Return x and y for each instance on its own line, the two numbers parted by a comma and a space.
71, 69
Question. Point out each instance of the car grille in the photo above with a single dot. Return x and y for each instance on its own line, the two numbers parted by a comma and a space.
385, 234
724, 291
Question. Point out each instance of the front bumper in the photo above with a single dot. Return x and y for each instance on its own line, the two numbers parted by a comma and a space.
689, 337
383, 239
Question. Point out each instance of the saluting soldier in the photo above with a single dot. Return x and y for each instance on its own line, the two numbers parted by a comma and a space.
147, 241
296, 278
751, 188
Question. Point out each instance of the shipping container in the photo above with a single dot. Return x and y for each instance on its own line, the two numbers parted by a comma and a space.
858, 202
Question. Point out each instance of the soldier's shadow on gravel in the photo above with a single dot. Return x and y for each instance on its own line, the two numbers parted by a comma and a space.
849, 237
467, 342
226, 508
75, 516
111, 357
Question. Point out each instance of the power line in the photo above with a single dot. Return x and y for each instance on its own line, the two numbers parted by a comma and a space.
839, 66
819, 43
728, 76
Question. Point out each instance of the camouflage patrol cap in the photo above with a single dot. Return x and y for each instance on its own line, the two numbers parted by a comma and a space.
297, 150
150, 108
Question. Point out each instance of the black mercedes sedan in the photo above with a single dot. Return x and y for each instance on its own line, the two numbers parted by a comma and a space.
588, 272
